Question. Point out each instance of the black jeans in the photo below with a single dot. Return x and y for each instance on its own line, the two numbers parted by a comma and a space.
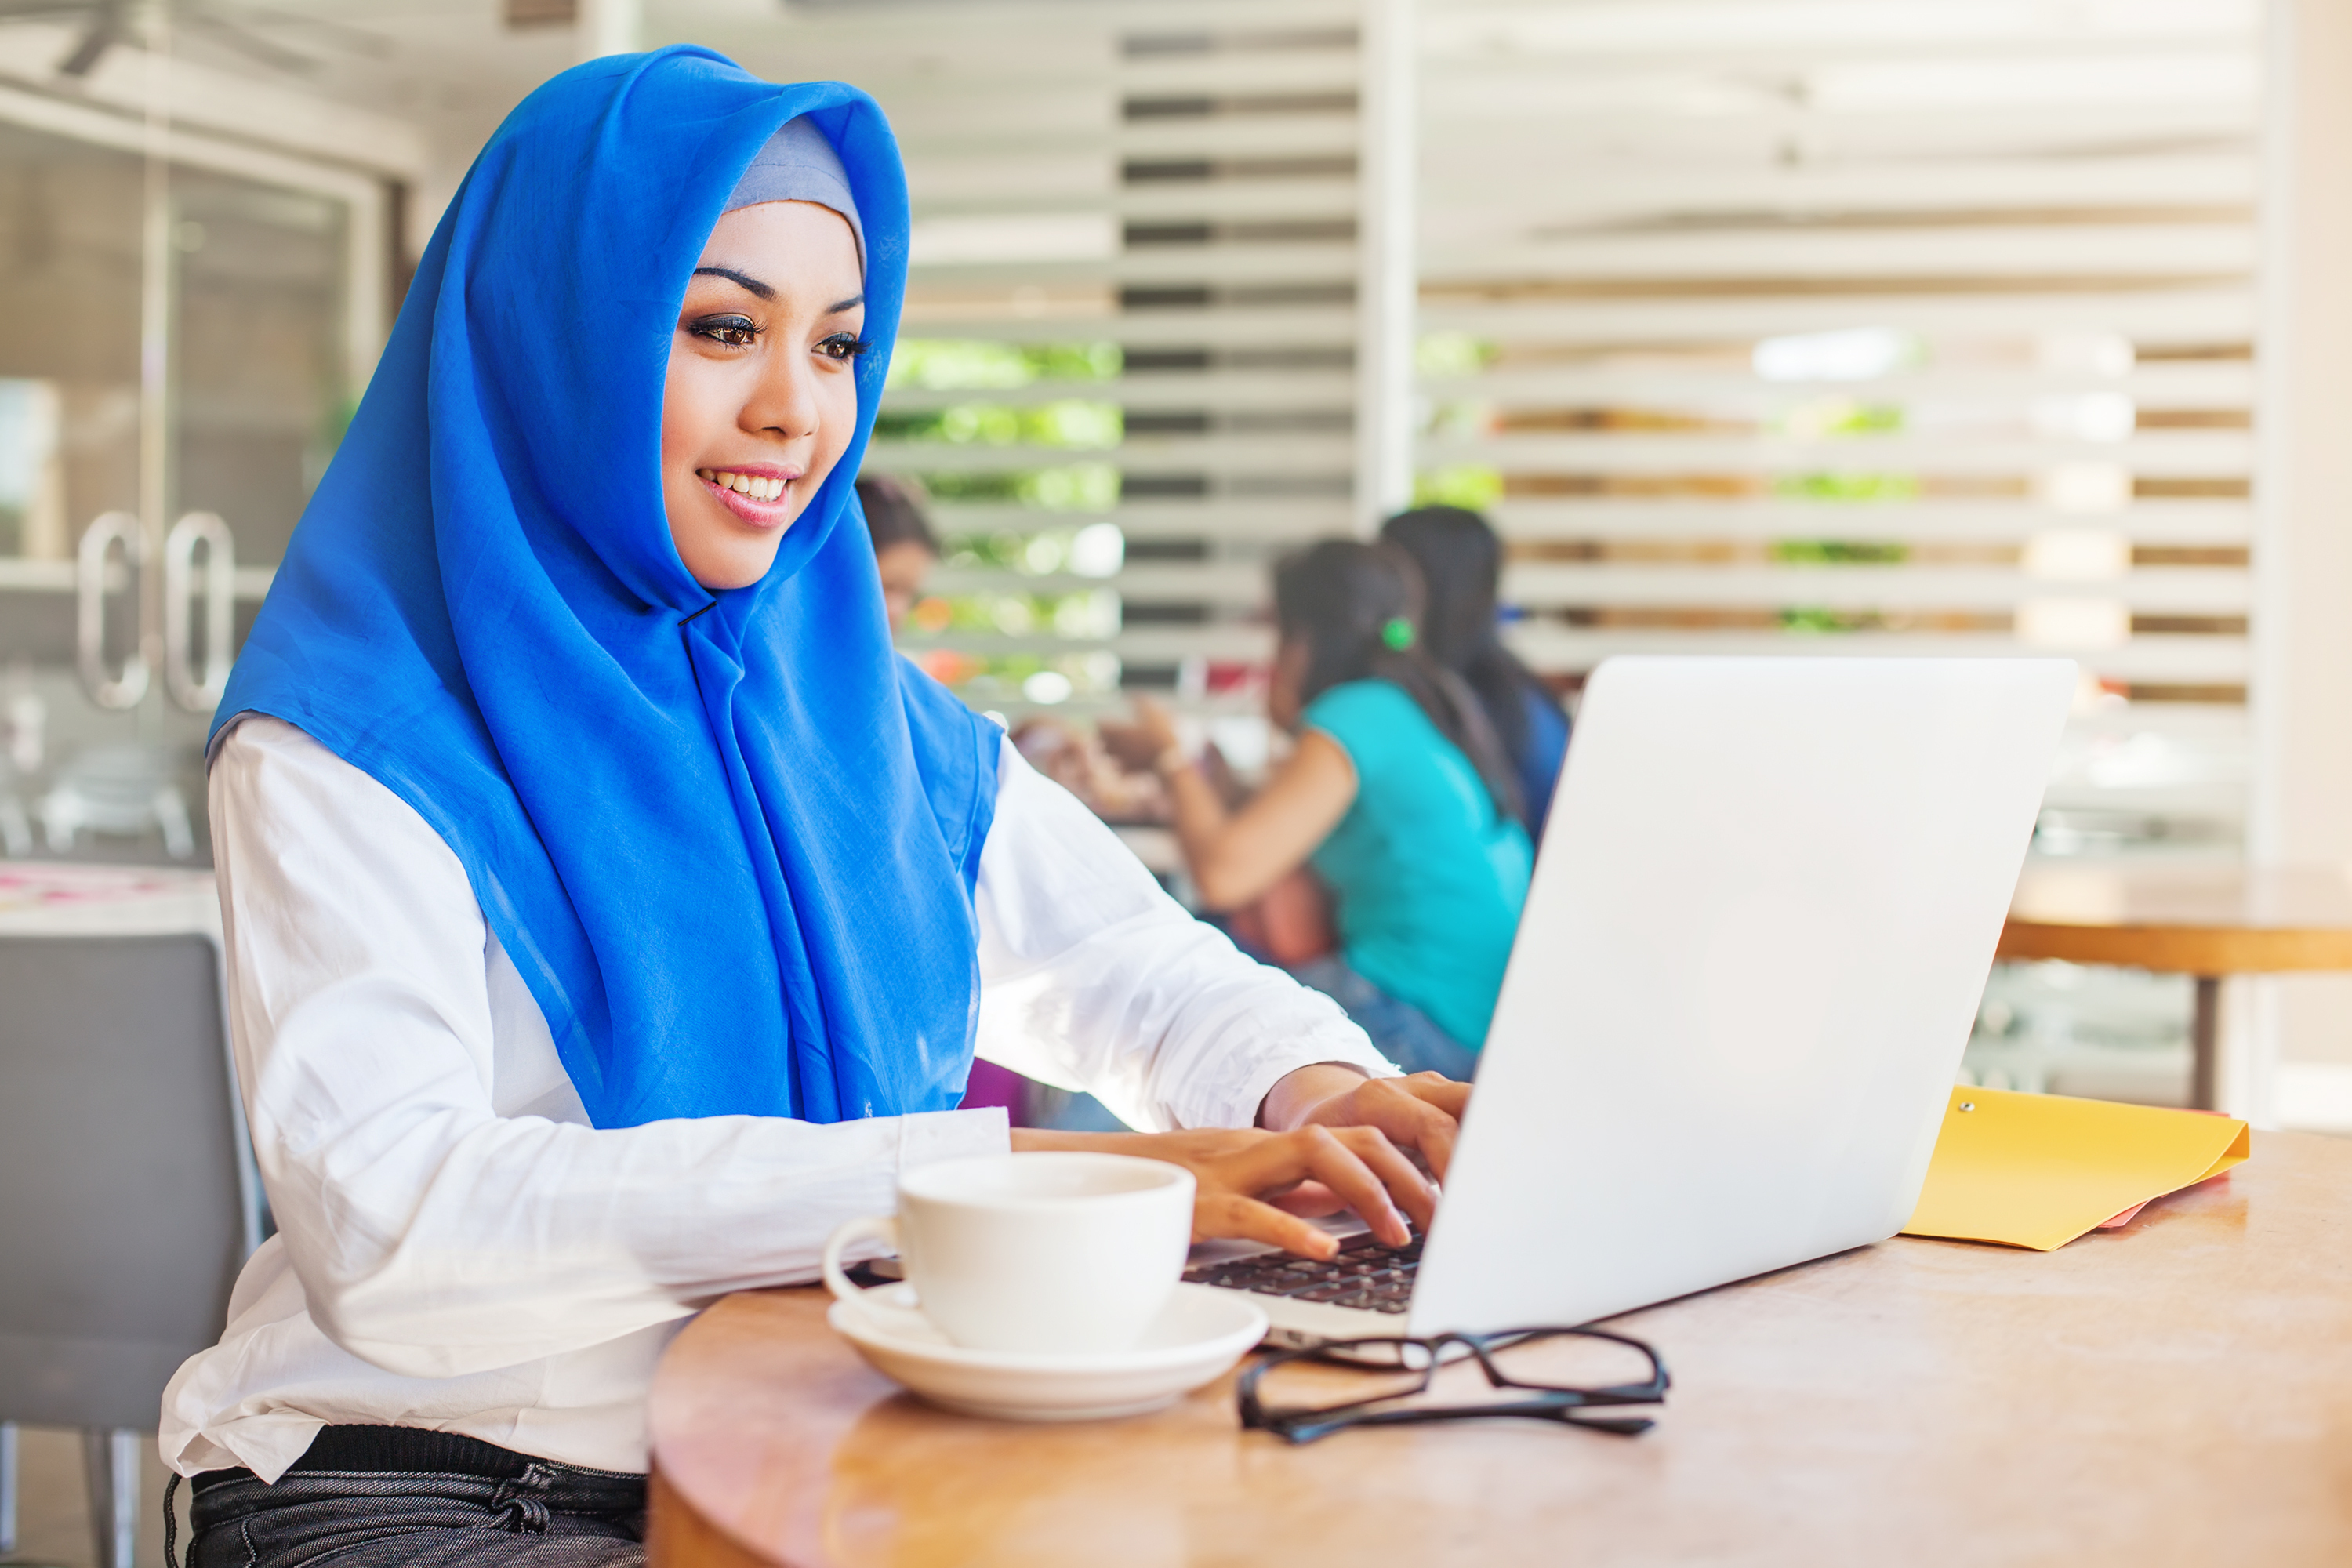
377, 1497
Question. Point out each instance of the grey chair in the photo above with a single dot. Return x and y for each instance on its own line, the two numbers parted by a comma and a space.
128, 1199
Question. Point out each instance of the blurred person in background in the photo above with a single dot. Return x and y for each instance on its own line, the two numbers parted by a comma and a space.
1461, 563
905, 548
1397, 793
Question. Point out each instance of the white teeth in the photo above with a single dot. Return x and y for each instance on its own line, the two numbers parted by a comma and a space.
751, 484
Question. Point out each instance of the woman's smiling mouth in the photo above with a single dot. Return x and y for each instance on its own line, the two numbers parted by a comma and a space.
759, 493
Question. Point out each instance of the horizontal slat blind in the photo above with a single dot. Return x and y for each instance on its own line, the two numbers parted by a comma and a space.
1865, 326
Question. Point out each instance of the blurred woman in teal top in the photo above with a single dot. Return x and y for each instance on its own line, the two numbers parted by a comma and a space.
1398, 794
1428, 874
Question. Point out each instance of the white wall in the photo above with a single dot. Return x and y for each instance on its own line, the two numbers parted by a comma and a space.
2302, 809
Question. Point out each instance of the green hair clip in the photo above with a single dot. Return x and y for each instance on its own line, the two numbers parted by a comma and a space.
1397, 634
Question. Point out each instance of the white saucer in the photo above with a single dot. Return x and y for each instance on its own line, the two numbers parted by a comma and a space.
1200, 1334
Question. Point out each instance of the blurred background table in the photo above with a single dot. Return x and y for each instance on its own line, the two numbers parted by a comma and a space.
2175, 1391
2203, 920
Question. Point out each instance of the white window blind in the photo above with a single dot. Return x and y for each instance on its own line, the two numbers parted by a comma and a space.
1865, 326
1128, 374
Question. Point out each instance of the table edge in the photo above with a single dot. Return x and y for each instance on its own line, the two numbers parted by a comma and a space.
2178, 949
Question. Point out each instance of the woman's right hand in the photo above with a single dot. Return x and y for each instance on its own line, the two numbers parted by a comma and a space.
1243, 1174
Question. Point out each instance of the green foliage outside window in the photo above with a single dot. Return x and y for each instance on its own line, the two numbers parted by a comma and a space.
1847, 487
1816, 620
1466, 485
1075, 486
1453, 354
1068, 423
1838, 553
1833, 416
1090, 614
957, 364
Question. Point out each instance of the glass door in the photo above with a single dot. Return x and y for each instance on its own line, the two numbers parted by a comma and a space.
182, 342
261, 386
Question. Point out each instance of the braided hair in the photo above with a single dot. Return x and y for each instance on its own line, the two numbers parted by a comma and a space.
1357, 610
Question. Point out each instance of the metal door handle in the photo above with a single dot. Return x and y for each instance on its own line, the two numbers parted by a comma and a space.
198, 692
106, 689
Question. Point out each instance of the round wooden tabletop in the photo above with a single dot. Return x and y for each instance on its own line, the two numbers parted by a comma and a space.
2175, 1391
2183, 919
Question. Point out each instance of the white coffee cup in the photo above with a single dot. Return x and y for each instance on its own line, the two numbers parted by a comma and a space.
1051, 1252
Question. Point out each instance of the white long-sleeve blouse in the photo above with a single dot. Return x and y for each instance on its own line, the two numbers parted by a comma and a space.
457, 1248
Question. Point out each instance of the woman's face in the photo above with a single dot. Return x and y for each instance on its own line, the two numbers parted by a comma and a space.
903, 567
761, 397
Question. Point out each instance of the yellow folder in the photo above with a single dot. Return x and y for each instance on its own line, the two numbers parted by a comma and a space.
2039, 1169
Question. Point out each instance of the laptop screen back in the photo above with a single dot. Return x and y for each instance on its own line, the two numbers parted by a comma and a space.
1750, 962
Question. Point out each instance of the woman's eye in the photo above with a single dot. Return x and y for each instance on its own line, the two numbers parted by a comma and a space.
843, 346
734, 332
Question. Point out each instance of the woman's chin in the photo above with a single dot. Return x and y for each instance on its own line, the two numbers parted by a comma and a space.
722, 569
724, 552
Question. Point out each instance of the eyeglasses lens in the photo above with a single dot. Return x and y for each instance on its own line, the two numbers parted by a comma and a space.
1569, 1361
1313, 1386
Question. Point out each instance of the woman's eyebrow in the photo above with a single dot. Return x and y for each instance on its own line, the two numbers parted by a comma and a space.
753, 284
849, 304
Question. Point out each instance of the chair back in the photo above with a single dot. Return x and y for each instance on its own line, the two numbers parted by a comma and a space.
127, 1202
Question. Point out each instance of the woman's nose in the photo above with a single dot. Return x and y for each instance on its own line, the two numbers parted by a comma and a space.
786, 398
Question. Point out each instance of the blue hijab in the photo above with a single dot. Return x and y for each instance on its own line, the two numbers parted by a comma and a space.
729, 840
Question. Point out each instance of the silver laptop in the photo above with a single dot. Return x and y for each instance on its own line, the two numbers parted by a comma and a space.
1754, 947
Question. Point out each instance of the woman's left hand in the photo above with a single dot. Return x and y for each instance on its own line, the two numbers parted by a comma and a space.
1422, 1112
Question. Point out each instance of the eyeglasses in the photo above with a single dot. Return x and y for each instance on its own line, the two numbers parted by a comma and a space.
1559, 1374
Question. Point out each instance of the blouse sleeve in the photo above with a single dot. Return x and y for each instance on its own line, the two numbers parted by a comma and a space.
1362, 717
1092, 977
433, 1236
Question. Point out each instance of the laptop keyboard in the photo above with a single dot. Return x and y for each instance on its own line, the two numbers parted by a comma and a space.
1365, 1274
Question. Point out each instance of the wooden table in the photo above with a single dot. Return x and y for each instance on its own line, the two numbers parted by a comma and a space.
2206, 921
2176, 1392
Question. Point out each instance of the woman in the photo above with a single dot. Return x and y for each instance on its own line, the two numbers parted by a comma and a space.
1461, 563
609, 913
905, 549
1396, 794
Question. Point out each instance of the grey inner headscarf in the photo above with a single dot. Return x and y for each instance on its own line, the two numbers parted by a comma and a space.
798, 164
